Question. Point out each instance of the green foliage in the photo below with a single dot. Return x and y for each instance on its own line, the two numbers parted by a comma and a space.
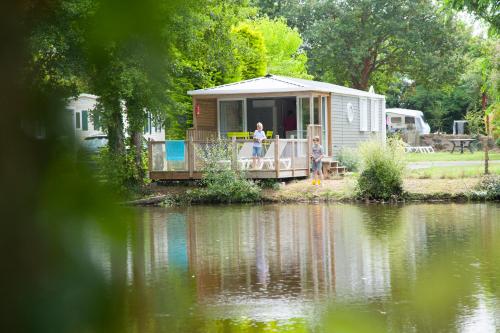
349, 158
349, 41
119, 171
381, 170
489, 187
270, 183
250, 50
475, 122
489, 10
283, 53
221, 183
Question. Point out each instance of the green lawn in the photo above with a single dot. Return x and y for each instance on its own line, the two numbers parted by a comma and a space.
447, 156
452, 172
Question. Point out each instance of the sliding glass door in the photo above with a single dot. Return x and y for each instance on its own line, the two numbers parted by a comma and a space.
232, 116
303, 116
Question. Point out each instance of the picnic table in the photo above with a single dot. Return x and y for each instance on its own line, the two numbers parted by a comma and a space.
462, 143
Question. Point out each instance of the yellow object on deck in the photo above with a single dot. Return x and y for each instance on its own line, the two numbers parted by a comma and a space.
238, 135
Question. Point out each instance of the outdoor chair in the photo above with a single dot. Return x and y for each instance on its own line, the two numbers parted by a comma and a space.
268, 160
245, 155
419, 149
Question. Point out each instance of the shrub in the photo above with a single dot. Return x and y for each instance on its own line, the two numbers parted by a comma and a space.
349, 158
221, 183
118, 171
381, 170
489, 186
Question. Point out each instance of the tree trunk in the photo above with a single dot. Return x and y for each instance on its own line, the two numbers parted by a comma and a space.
115, 132
487, 128
136, 116
136, 139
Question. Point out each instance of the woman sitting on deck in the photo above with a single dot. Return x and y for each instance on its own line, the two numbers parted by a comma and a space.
258, 137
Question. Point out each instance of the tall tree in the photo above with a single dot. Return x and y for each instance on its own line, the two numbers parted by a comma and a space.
283, 44
361, 42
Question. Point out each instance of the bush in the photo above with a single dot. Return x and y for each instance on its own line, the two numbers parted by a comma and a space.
381, 170
349, 158
221, 183
119, 171
489, 187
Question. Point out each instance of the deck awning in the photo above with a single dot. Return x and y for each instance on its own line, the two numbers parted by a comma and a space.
279, 84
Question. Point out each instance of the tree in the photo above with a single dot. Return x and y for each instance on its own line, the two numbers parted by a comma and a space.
283, 47
250, 50
349, 42
489, 10
205, 55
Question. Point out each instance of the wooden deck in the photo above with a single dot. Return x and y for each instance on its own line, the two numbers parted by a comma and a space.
282, 158
252, 174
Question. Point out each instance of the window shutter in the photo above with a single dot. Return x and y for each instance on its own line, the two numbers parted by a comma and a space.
85, 120
97, 124
374, 115
77, 119
363, 115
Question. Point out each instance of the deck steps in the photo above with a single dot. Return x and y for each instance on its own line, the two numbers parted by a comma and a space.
333, 168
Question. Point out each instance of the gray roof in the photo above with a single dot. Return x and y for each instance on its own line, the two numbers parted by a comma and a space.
276, 84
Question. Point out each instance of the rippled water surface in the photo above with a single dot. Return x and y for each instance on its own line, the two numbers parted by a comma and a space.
301, 268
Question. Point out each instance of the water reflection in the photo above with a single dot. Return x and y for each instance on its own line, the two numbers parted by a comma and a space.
223, 268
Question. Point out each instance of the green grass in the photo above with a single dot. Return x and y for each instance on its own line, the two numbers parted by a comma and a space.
452, 172
447, 156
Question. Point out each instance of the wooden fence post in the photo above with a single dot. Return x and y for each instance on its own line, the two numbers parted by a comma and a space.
190, 155
276, 156
234, 162
309, 143
150, 156
293, 157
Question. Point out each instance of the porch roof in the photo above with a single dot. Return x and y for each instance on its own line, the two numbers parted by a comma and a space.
279, 84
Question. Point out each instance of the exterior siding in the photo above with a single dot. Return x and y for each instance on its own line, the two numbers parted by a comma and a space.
207, 119
347, 135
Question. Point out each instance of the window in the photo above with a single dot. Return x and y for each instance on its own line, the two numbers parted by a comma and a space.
85, 120
77, 119
97, 123
395, 120
374, 110
315, 114
363, 115
231, 118
409, 120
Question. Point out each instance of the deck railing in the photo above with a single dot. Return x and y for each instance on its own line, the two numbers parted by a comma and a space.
281, 158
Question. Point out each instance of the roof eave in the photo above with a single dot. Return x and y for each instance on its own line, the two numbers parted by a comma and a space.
253, 91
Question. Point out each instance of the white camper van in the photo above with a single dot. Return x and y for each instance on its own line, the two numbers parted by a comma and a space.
400, 120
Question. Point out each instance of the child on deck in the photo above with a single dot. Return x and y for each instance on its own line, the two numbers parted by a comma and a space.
258, 137
317, 156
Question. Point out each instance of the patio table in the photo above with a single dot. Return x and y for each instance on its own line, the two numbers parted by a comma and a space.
462, 143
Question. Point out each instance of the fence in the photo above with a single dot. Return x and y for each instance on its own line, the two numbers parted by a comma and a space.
280, 158
186, 159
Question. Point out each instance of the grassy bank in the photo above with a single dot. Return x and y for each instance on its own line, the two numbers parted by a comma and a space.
455, 172
447, 156
341, 189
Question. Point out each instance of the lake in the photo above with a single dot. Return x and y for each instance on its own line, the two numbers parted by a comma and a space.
311, 268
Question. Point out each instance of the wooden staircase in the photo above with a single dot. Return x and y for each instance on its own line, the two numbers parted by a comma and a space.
332, 168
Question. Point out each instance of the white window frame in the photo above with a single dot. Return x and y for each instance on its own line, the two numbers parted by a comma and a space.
374, 115
299, 116
323, 121
244, 100
363, 114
